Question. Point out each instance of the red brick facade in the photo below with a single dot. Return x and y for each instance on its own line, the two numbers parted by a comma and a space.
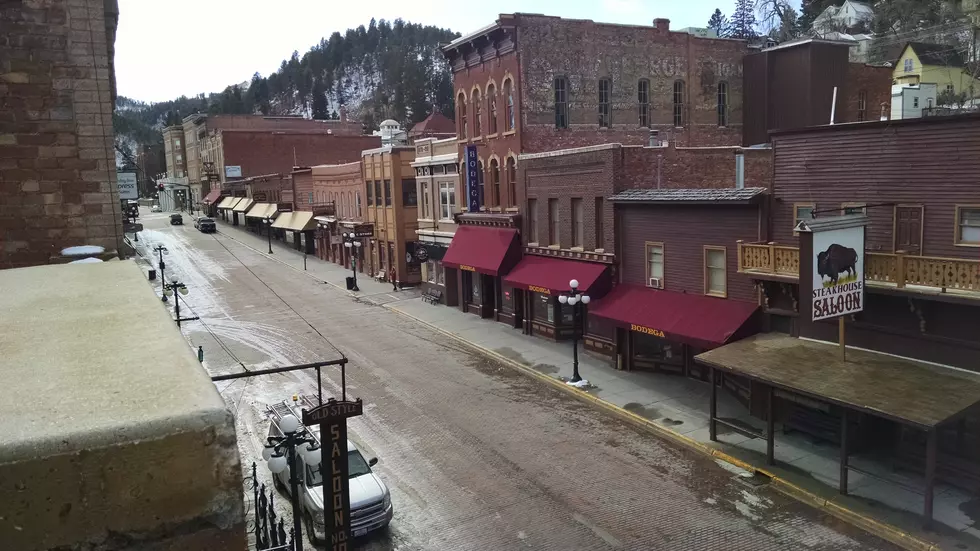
342, 185
265, 152
57, 164
868, 87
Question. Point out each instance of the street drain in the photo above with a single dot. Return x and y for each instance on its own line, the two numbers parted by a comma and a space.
755, 480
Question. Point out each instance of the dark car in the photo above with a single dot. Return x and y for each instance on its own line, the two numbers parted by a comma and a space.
176, 220
206, 225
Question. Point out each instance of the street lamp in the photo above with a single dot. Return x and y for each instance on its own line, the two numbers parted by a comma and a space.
577, 301
280, 452
354, 246
161, 249
172, 289
268, 230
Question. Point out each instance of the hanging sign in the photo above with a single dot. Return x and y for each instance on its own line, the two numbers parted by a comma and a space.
838, 272
473, 199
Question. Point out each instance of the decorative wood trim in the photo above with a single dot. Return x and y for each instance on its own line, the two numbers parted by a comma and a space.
922, 226
646, 262
724, 250
956, 226
796, 215
589, 256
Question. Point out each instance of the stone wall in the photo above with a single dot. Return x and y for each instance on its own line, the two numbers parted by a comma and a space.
57, 165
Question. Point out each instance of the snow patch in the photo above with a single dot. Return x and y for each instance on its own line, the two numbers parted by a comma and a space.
746, 510
81, 250
580, 384
710, 501
87, 261
736, 470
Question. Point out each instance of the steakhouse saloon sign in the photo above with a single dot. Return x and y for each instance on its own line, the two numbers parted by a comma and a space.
838, 272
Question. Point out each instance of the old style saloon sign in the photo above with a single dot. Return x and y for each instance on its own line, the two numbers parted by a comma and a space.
837, 265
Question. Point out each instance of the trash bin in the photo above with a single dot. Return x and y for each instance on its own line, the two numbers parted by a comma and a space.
350, 283
153, 275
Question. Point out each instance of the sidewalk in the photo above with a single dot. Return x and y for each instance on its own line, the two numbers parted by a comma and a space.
677, 408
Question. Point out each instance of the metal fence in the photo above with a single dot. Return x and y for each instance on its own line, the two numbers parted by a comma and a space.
270, 534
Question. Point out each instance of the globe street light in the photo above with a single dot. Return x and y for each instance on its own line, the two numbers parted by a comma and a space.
171, 290
353, 246
268, 230
577, 301
280, 453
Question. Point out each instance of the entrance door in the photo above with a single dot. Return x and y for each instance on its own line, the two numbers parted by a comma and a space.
489, 295
518, 308
908, 229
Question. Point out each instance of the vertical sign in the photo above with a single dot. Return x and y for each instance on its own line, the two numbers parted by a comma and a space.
473, 199
838, 272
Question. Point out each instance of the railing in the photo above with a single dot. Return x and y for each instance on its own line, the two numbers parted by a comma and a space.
898, 269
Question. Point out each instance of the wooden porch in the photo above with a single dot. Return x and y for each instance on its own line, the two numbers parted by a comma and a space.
894, 270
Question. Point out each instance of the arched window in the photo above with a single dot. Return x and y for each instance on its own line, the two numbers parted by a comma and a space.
862, 113
477, 114
359, 214
479, 184
511, 182
678, 103
561, 102
605, 90
492, 108
509, 95
495, 182
350, 204
722, 103
461, 114
643, 99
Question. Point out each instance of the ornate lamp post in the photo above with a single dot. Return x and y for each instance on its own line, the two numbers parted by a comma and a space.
268, 230
353, 245
577, 301
280, 452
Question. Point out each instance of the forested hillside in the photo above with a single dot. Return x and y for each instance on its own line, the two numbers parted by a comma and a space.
387, 70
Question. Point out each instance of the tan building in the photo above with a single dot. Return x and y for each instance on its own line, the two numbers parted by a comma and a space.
341, 186
437, 173
391, 206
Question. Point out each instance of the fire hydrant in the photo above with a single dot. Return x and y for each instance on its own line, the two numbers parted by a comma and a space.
200, 353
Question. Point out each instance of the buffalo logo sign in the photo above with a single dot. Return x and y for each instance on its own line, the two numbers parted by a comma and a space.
838, 272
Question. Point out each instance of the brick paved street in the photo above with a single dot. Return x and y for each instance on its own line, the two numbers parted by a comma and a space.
476, 455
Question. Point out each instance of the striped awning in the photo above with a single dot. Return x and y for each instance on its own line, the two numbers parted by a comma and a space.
262, 210
243, 205
295, 221
228, 202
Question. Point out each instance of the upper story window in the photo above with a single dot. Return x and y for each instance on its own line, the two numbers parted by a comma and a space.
177, 142
461, 113
909, 66
604, 86
968, 225
509, 96
447, 200
655, 264
477, 115
561, 102
862, 113
359, 214
387, 193
511, 181
679, 103
801, 212
480, 184
492, 109
722, 103
715, 272
370, 194
643, 99
532, 220
410, 195
578, 223
554, 228
495, 182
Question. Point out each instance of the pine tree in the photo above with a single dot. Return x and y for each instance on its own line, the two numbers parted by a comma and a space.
718, 22
319, 101
742, 22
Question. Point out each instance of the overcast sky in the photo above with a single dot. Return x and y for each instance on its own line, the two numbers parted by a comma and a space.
168, 48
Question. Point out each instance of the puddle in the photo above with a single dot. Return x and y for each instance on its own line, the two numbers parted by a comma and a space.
512, 354
671, 422
971, 509
643, 411
545, 368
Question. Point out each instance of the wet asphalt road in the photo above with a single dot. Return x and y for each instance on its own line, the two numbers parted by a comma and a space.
476, 455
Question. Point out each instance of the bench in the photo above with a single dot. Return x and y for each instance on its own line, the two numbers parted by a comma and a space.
380, 277
432, 296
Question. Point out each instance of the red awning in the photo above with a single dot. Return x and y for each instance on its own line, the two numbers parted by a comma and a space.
542, 274
491, 251
212, 196
698, 320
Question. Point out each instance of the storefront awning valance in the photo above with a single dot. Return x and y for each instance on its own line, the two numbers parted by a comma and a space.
228, 202
243, 205
262, 210
701, 321
491, 251
547, 275
211, 197
295, 221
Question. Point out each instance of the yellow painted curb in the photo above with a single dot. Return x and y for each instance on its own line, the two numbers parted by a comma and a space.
877, 528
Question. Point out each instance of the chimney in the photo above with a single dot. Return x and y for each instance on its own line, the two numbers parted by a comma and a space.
343, 113
662, 25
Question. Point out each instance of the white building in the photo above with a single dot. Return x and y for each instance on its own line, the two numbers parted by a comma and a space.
391, 133
850, 14
860, 45
909, 100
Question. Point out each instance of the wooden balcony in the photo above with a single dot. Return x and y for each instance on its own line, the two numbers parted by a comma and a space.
897, 270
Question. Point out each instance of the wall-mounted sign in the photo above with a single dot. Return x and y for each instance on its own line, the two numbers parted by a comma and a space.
363, 230
838, 272
127, 185
233, 172
647, 330
536, 289
467, 268
259, 197
473, 199
284, 207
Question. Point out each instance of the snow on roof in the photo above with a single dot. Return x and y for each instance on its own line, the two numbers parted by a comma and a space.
82, 250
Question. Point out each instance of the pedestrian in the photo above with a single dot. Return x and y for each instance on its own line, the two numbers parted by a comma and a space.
392, 278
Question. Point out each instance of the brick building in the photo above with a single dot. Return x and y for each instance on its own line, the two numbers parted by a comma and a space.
151, 160
343, 187
392, 208
57, 165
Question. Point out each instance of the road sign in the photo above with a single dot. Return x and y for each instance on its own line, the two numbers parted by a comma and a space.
127, 185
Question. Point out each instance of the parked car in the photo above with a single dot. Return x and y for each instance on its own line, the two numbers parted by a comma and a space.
205, 225
370, 499
156, 208
176, 220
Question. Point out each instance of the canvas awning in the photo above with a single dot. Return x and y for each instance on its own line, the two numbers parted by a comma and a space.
698, 320
295, 221
262, 210
243, 205
491, 251
548, 275
211, 197
228, 202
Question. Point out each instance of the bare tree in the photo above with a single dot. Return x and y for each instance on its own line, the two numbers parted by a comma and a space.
774, 14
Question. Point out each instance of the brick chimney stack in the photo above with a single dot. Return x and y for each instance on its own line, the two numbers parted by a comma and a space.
662, 25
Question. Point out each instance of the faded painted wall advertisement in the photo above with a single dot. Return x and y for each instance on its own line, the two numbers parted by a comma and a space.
838, 272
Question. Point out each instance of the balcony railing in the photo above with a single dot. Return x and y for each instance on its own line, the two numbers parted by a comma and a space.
884, 269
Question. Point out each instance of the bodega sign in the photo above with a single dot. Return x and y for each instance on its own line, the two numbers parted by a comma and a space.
838, 272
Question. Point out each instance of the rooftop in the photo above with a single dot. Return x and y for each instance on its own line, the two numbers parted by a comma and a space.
435, 124
937, 54
678, 196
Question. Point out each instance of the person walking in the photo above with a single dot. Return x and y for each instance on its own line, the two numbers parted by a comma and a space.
392, 278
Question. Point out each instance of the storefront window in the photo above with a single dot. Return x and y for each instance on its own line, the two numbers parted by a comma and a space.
541, 307
599, 327
430, 271
440, 274
475, 286
507, 299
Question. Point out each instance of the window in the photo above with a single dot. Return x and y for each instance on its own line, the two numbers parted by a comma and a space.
359, 212
350, 204
853, 208
410, 194
447, 200
477, 114
492, 109
909, 66
715, 276
679, 103
309, 198
655, 265
604, 86
578, 223
430, 271
532, 220
511, 181
440, 274
968, 225
177, 142
424, 194
554, 228
509, 94
495, 182
950, 89
802, 212
915, 101
600, 238
862, 105
377, 193
561, 102
643, 99
387, 193
479, 185
722, 103
461, 110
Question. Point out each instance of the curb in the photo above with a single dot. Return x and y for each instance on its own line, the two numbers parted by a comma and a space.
874, 527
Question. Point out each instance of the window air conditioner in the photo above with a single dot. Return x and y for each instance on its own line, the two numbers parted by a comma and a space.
655, 283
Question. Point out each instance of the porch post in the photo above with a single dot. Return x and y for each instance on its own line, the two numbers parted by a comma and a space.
713, 405
770, 427
843, 452
931, 451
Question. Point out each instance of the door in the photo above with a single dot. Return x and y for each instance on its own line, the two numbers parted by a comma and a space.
518, 302
908, 229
